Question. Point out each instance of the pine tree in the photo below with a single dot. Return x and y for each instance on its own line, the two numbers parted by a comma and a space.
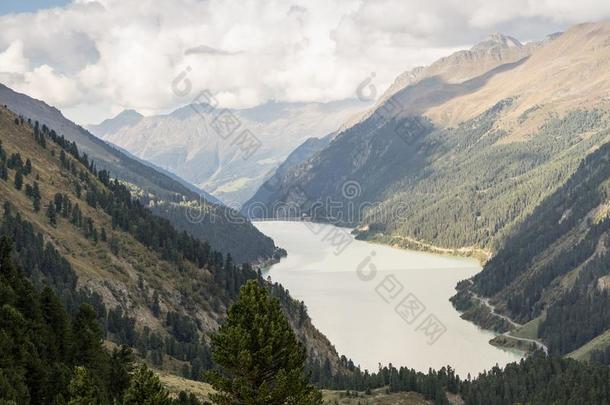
83, 390
28, 167
89, 345
51, 214
121, 366
155, 306
3, 170
261, 360
18, 179
146, 389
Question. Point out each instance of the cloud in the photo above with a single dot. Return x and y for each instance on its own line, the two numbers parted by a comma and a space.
12, 59
95, 58
204, 49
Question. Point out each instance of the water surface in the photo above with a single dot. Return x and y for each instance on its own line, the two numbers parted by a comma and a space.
379, 304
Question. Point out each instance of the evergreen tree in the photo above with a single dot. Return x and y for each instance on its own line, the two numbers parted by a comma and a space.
121, 366
28, 167
82, 389
89, 345
3, 170
18, 179
155, 306
146, 389
51, 214
36, 197
261, 360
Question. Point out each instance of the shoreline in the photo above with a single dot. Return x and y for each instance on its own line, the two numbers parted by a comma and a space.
501, 340
408, 243
471, 252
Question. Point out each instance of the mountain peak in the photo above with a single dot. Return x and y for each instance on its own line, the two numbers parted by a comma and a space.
497, 41
125, 118
128, 113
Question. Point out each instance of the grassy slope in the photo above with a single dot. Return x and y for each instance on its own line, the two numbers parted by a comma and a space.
584, 352
114, 277
239, 238
176, 384
377, 397
528, 330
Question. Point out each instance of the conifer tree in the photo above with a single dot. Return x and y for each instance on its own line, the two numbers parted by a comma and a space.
51, 214
146, 389
89, 345
261, 359
3, 170
36, 197
18, 179
28, 167
83, 390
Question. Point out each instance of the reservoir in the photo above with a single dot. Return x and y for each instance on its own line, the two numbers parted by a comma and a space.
379, 304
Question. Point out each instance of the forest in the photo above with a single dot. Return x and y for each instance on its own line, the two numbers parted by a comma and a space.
566, 237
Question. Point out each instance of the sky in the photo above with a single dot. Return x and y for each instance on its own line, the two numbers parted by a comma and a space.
95, 58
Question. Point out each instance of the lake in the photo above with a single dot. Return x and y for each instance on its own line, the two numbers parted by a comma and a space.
378, 304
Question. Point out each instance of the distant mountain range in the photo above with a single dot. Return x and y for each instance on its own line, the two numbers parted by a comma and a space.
173, 196
184, 142
481, 153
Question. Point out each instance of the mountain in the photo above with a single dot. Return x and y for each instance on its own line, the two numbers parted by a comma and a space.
186, 142
221, 227
458, 153
552, 272
85, 236
299, 155
125, 118
500, 152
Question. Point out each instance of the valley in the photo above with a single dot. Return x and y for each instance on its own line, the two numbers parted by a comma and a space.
304, 204
450, 159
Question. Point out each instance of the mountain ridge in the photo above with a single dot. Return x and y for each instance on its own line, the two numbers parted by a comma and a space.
185, 142
240, 238
124, 118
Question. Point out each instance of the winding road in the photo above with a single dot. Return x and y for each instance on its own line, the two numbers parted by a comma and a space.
492, 309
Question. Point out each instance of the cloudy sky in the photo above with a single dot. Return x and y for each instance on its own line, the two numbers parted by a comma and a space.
94, 58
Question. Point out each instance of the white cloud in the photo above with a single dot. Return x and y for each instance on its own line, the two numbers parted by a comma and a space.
12, 59
94, 58
46, 84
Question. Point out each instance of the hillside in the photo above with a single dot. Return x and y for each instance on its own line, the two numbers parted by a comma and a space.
555, 265
452, 159
185, 142
80, 232
219, 228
